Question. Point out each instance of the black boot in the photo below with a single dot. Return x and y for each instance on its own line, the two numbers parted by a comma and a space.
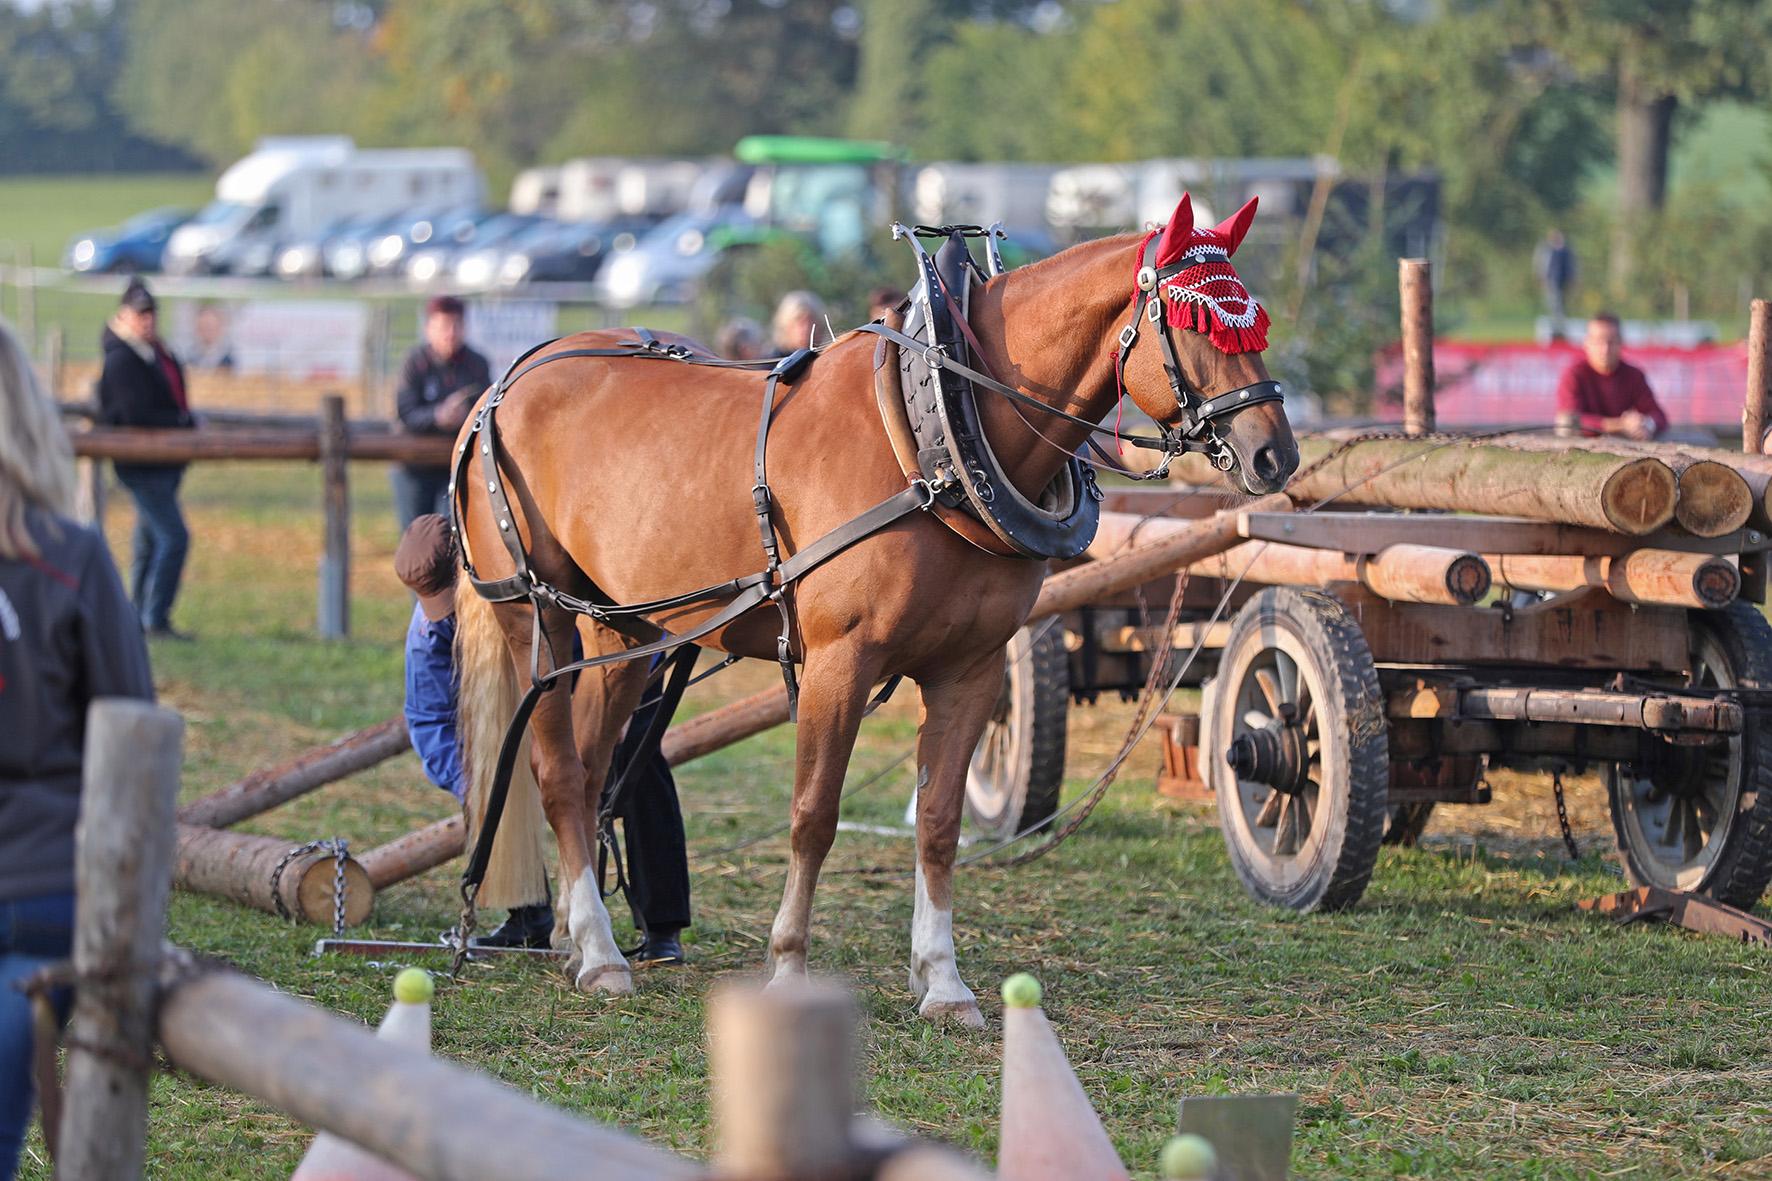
663, 948
527, 926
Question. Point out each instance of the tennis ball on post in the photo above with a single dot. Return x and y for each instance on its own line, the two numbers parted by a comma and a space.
1021, 991
413, 986
1188, 1158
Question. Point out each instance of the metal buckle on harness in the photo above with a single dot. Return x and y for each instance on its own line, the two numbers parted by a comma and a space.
1154, 310
928, 490
934, 356
760, 498
1128, 335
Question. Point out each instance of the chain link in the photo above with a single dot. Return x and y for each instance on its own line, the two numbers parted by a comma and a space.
340, 850
1563, 814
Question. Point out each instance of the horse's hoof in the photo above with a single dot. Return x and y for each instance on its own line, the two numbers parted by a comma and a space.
614, 979
963, 1012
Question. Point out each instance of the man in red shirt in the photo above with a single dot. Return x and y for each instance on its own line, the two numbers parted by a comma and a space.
1606, 395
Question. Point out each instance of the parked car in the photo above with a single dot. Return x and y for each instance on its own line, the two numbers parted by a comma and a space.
438, 260
136, 245
554, 252
346, 254
389, 253
668, 261
305, 257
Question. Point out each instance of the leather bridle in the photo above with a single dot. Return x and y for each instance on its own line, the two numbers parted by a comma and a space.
1197, 429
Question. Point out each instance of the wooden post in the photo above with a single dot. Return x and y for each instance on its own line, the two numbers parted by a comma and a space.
436, 1120
1754, 408
244, 868
55, 343
1415, 284
783, 1069
89, 492
335, 560
123, 871
274, 786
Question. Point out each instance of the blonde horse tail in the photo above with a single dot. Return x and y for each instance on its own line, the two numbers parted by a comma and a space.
487, 696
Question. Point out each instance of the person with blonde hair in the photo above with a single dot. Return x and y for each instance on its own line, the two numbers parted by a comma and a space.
68, 634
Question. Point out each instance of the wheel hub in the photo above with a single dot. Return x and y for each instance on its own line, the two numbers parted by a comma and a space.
1276, 756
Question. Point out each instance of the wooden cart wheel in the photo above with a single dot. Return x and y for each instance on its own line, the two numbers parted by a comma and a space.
1017, 771
1299, 756
1699, 818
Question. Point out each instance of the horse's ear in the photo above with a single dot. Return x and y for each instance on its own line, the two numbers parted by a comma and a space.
1174, 241
1237, 224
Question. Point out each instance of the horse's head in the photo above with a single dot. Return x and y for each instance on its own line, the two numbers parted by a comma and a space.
1202, 376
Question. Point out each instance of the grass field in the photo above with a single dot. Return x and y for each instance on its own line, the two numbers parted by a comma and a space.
1463, 1020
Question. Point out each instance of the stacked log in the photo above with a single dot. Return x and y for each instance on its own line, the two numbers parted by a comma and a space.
1623, 493
1647, 576
1715, 497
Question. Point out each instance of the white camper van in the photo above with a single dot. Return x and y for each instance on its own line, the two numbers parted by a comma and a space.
294, 187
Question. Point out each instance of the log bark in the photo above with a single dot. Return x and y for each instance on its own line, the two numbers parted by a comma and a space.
1626, 494
1416, 288
241, 867
435, 1119
738, 720
123, 873
413, 854
1189, 542
274, 786
1756, 406
1644, 576
1714, 497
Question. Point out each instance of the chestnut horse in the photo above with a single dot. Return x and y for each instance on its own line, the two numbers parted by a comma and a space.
631, 479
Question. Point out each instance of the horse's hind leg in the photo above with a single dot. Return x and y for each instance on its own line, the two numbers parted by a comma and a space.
603, 701
954, 715
560, 773
833, 694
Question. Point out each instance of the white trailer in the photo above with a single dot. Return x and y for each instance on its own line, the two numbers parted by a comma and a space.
298, 186
948, 193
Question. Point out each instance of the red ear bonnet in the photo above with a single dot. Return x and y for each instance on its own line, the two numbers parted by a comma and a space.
1205, 293
1177, 234
1232, 228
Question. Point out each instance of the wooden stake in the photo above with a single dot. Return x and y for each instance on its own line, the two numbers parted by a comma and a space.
436, 1119
1415, 285
783, 1068
335, 561
1754, 408
123, 874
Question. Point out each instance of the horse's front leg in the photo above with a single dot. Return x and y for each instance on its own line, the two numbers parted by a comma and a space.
954, 715
833, 693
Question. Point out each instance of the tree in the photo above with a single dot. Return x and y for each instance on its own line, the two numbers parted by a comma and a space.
1654, 56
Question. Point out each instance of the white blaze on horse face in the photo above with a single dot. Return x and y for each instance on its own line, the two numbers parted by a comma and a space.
935, 976
605, 969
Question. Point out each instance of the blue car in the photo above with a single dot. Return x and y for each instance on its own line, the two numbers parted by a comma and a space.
136, 245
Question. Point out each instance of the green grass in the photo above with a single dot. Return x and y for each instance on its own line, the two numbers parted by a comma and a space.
43, 212
1462, 1020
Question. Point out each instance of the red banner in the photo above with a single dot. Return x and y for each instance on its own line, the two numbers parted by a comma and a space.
1516, 384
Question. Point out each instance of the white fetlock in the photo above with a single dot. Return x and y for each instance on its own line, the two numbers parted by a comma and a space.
604, 970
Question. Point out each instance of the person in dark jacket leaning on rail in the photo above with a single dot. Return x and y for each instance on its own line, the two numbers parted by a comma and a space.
144, 385
439, 383
67, 635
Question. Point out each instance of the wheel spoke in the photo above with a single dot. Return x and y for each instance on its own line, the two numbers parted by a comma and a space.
1269, 684
1306, 804
1285, 828
1270, 810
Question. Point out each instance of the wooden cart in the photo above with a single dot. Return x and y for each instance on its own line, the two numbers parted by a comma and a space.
1335, 714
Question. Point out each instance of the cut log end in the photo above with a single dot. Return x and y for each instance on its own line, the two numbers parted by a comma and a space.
1714, 499
1640, 497
1716, 583
1468, 578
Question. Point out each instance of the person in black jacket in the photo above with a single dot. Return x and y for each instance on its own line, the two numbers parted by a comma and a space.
439, 383
144, 385
67, 636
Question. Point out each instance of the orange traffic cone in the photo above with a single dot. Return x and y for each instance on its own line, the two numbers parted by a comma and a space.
409, 1023
1050, 1132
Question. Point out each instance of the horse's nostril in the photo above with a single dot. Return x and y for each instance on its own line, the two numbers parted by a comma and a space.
1266, 464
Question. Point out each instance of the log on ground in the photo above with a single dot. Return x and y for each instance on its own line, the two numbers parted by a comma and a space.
274, 786
413, 854
244, 868
1626, 494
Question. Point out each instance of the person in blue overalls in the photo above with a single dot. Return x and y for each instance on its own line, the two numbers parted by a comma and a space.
657, 857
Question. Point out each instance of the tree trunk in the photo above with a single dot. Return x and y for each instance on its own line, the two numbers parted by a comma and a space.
1645, 121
